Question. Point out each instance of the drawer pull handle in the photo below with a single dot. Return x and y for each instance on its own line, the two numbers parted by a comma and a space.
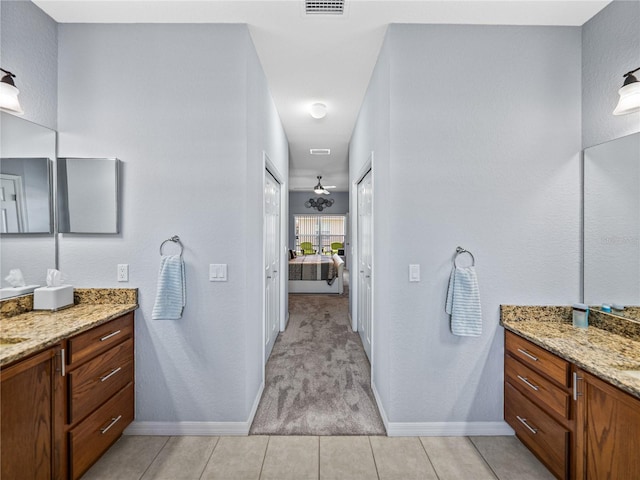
526, 381
576, 393
524, 352
524, 422
112, 373
113, 422
110, 335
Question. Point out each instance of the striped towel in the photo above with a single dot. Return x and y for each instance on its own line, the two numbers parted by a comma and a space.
171, 294
463, 302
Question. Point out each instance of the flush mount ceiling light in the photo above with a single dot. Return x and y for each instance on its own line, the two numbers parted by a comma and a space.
318, 110
9, 94
629, 95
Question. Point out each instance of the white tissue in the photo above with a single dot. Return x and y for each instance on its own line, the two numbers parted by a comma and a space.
15, 278
54, 277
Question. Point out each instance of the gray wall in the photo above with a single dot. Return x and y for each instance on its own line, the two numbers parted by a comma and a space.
29, 49
189, 121
296, 207
484, 152
610, 48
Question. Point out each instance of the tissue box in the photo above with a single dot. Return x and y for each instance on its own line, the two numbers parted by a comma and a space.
53, 298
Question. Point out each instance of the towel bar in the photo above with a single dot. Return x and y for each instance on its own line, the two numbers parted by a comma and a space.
460, 250
174, 239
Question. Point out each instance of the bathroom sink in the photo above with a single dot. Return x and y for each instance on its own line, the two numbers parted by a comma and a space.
631, 369
632, 373
11, 340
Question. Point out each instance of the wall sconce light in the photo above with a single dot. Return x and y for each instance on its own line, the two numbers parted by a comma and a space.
318, 110
319, 204
9, 94
629, 95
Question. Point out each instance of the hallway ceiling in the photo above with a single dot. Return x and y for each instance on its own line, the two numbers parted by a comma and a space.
320, 58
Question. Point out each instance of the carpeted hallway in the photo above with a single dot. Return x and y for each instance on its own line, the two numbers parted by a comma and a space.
318, 376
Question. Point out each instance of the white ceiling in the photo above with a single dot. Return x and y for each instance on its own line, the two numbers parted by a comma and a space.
320, 58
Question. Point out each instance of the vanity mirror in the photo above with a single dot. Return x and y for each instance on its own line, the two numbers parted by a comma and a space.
87, 195
27, 151
611, 222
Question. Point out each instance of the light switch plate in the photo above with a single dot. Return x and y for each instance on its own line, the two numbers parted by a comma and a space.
414, 273
217, 272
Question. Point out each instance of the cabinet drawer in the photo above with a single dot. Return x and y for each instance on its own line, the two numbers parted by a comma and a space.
99, 339
89, 440
98, 379
538, 431
536, 387
537, 358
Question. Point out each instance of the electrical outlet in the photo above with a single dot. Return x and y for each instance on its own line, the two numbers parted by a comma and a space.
123, 272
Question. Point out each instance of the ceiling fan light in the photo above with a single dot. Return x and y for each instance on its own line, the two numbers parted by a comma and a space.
318, 110
629, 97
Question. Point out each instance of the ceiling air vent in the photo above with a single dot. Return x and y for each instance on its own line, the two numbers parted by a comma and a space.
320, 151
324, 7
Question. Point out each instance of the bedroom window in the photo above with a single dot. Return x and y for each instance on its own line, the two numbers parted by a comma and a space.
320, 230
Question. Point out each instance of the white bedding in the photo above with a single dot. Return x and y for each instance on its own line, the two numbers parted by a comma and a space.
320, 286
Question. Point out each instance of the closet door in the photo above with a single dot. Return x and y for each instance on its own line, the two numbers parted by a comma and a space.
272, 261
365, 271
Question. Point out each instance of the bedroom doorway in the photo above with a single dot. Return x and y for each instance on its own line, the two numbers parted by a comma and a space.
272, 248
364, 242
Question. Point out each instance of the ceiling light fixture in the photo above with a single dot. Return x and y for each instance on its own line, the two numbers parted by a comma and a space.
318, 110
629, 95
9, 94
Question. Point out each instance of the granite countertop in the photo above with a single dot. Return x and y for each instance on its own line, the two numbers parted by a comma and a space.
42, 329
608, 350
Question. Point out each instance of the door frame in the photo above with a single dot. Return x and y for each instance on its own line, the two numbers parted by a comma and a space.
355, 254
268, 166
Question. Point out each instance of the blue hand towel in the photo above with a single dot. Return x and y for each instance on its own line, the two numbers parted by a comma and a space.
171, 294
463, 302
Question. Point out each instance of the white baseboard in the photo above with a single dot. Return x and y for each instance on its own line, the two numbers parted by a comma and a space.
440, 429
187, 428
448, 429
196, 428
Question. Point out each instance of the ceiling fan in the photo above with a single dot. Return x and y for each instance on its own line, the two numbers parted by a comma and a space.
319, 189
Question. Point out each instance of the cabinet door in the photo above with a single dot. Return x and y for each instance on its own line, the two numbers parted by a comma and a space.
30, 396
607, 431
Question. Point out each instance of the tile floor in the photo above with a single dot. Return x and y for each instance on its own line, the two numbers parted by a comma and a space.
317, 458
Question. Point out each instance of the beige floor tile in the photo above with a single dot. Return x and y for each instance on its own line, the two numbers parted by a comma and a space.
237, 458
127, 459
182, 458
346, 458
510, 459
454, 458
291, 458
401, 458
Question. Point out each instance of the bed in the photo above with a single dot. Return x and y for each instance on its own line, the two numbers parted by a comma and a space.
316, 274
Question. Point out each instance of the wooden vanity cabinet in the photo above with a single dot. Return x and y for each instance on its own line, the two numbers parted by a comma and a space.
32, 407
538, 402
607, 431
100, 391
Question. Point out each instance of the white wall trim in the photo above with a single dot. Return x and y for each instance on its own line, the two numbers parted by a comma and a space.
439, 429
447, 429
196, 428
187, 428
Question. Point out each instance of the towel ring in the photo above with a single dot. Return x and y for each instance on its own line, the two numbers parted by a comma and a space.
460, 250
174, 239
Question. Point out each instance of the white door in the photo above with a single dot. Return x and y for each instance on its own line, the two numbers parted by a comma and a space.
365, 253
272, 261
12, 210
